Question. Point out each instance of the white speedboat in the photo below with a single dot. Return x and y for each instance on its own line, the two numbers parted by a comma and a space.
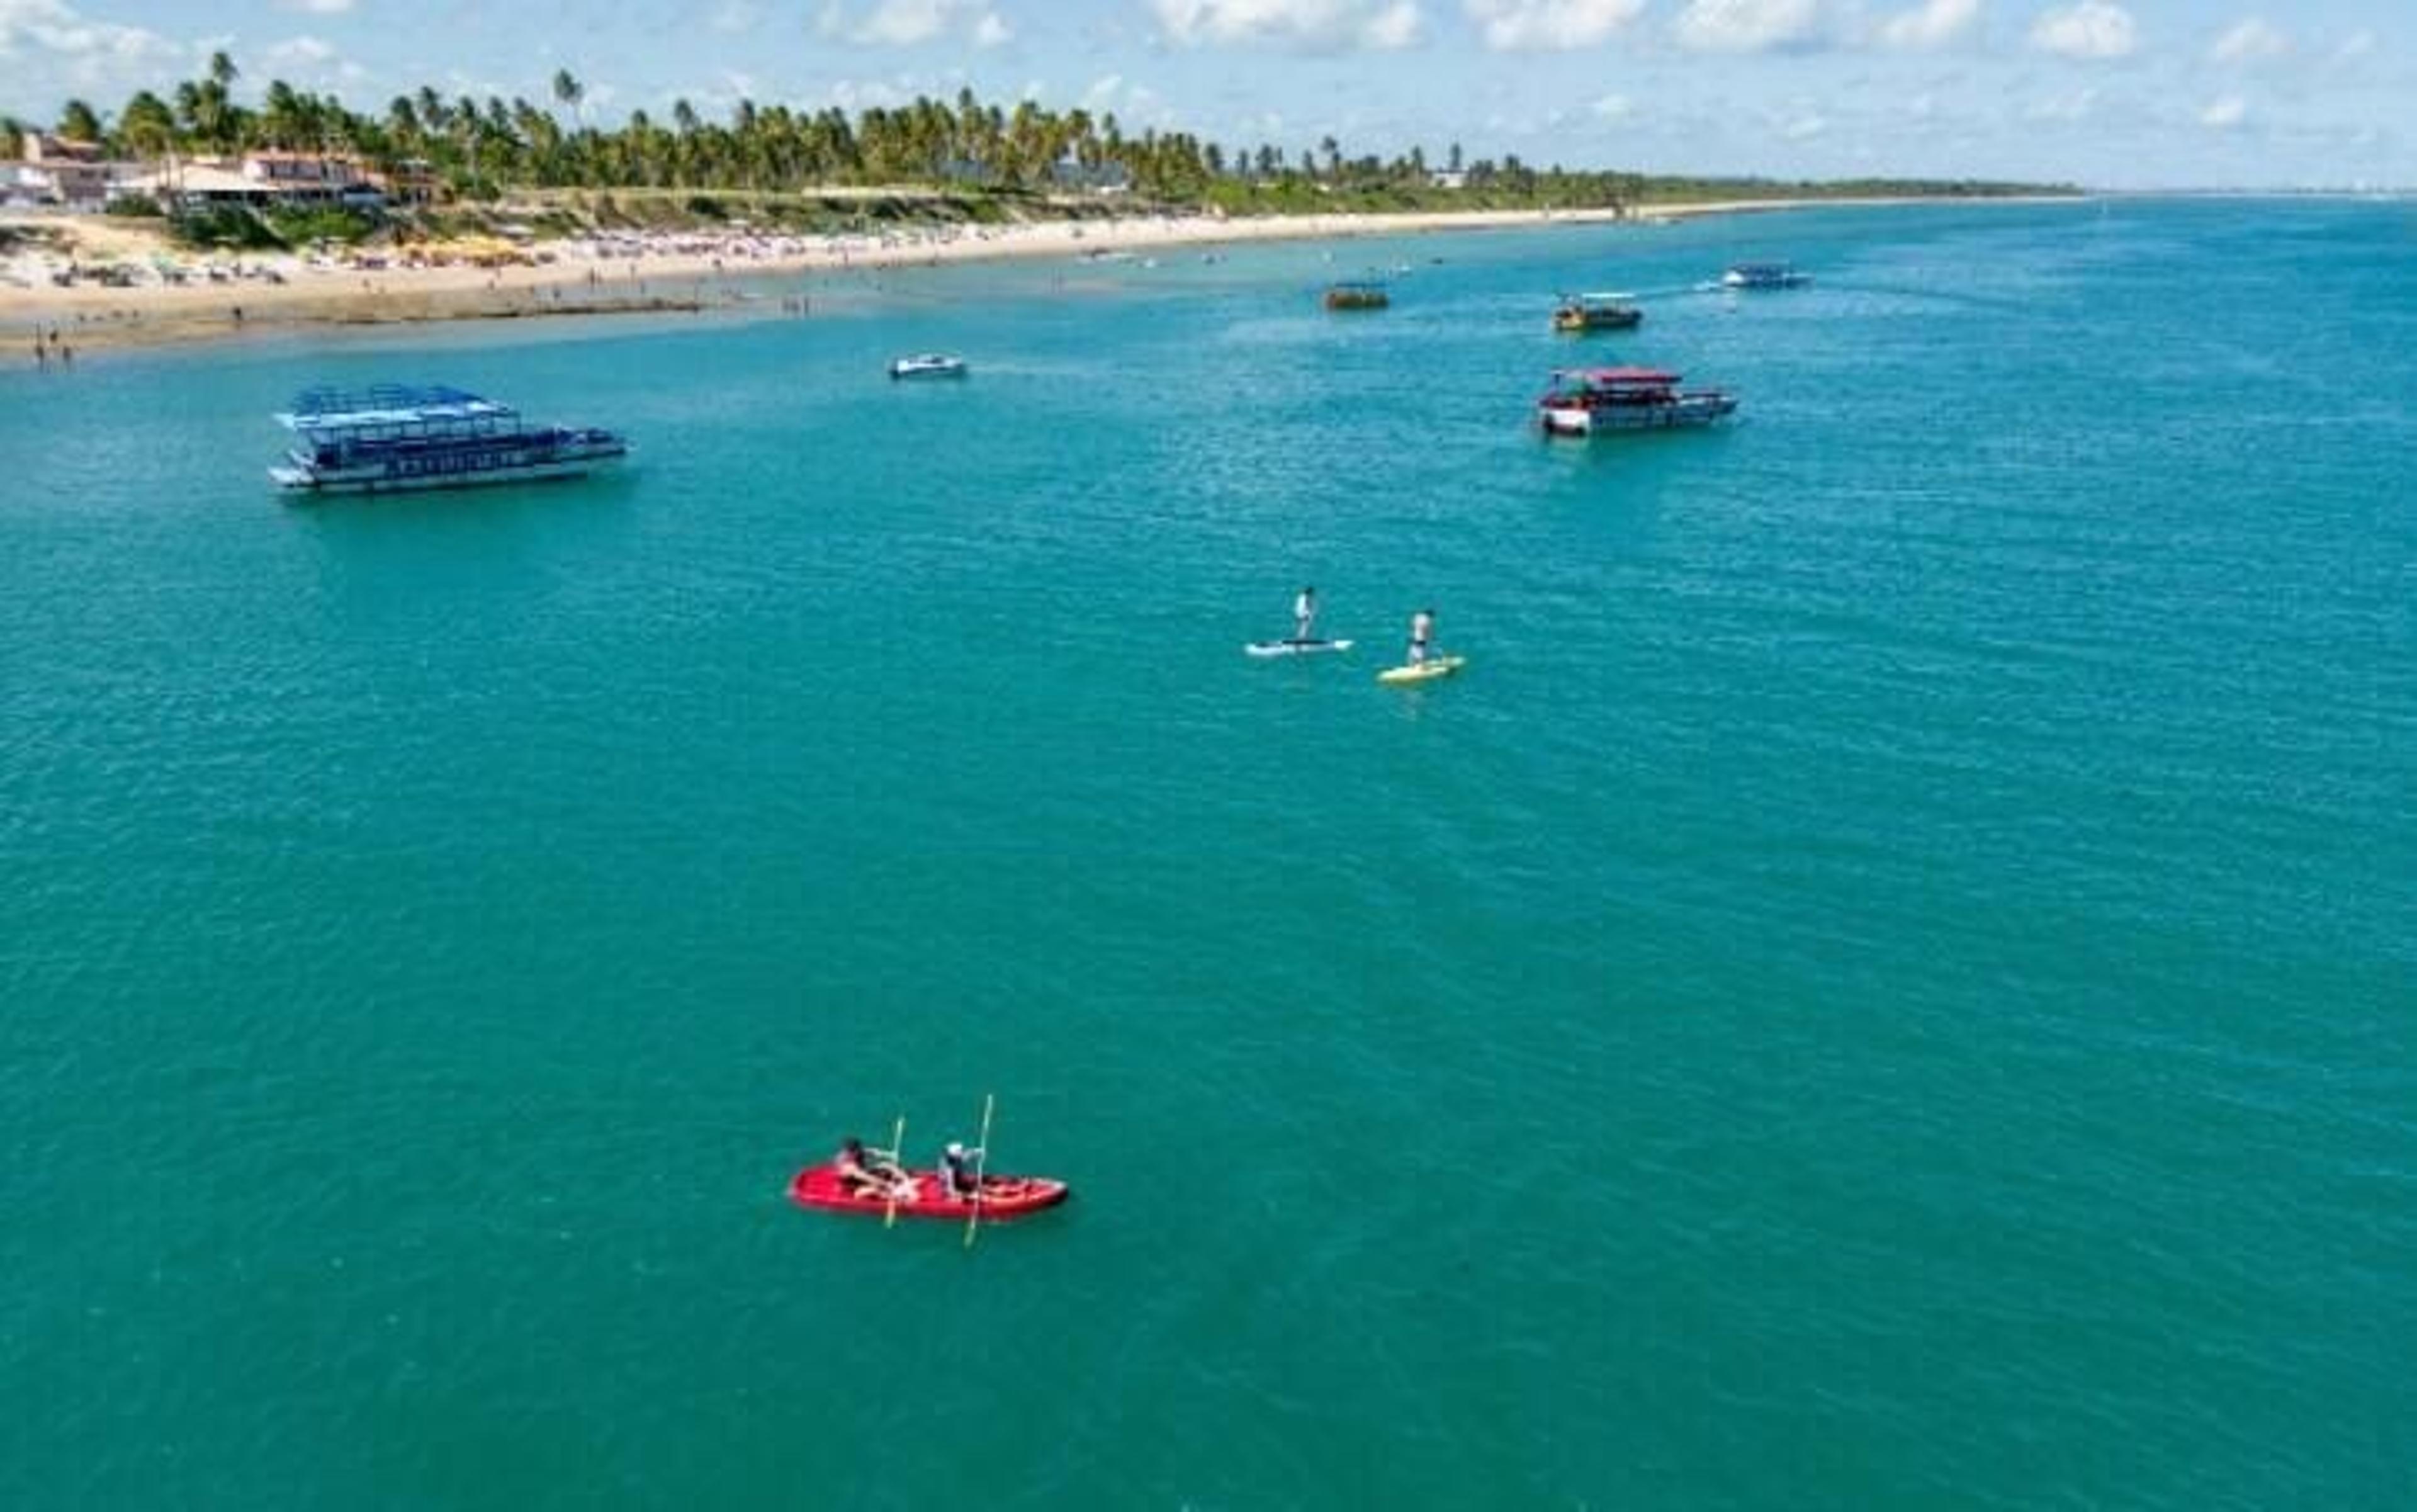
928, 365
1764, 275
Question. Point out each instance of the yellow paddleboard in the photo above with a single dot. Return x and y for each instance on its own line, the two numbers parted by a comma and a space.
1427, 671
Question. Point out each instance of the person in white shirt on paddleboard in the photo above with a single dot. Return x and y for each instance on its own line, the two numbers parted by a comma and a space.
1304, 616
1421, 636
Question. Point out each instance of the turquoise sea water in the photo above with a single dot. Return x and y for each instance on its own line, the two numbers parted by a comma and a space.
1891, 981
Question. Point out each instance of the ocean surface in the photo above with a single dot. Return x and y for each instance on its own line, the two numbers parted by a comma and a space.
1889, 981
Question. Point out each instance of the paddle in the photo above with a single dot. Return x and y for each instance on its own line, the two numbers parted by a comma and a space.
897, 1149
981, 1162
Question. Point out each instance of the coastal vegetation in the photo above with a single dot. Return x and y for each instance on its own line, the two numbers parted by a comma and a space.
966, 160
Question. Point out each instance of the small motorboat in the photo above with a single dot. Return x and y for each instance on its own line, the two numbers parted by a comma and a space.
1597, 311
928, 365
1764, 275
1002, 1197
1356, 294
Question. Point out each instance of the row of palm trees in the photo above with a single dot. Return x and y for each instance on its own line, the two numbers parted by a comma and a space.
482, 147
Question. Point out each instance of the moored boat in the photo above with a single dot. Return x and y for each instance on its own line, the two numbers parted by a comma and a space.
393, 437
1591, 400
1597, 311
1764, 275
1002, 1197
928, 365
1358, 294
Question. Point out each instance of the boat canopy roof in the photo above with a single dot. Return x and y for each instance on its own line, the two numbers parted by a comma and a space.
1369, 285
1602, 298
1762, 267
1619, 376
386, 404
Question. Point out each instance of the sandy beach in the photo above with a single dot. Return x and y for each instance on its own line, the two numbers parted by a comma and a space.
184, 297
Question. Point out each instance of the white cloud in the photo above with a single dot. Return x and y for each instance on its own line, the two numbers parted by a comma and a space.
1550, 26
857, 95
316, 8
1307, 25
734, 16
1932, 24
297, 53
1614, 108
909, 22
60, 41
1113, 94
2078, 106
2091, 29
1803, 128
2356, 45
2249, 42
991, 31
2225, 113
1745, 25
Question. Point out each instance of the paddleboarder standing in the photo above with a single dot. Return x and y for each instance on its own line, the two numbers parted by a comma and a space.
1304, 615
1421, 636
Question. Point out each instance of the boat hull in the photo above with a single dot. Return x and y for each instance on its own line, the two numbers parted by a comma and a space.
406, 475
1683, 413
1003, 1197
1576, 324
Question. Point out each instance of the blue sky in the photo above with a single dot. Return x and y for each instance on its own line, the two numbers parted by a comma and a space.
2117, 93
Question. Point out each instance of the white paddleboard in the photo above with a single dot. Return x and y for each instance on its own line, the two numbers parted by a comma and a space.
1294, 647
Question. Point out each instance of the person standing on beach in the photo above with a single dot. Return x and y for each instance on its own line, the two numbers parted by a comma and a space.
41, 354
1421, 636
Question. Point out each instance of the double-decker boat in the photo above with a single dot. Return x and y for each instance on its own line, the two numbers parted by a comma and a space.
1358, 294
1764, 275
390, 437
1592, 401
1597, 311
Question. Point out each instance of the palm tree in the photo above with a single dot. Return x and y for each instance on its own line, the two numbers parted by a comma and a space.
147, 126
281, 116
569, 91
78, 123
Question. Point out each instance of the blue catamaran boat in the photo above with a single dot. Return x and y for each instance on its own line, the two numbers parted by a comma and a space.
391, 438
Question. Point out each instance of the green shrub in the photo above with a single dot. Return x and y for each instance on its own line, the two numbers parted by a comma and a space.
233, 226
299, 226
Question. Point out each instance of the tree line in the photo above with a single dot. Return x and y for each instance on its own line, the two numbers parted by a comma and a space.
480, 149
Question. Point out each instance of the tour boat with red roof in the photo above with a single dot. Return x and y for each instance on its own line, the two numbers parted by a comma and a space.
1590, 401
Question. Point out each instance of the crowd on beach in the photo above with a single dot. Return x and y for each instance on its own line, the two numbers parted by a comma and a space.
124, 287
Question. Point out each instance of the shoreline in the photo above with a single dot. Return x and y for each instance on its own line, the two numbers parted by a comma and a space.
698, 272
